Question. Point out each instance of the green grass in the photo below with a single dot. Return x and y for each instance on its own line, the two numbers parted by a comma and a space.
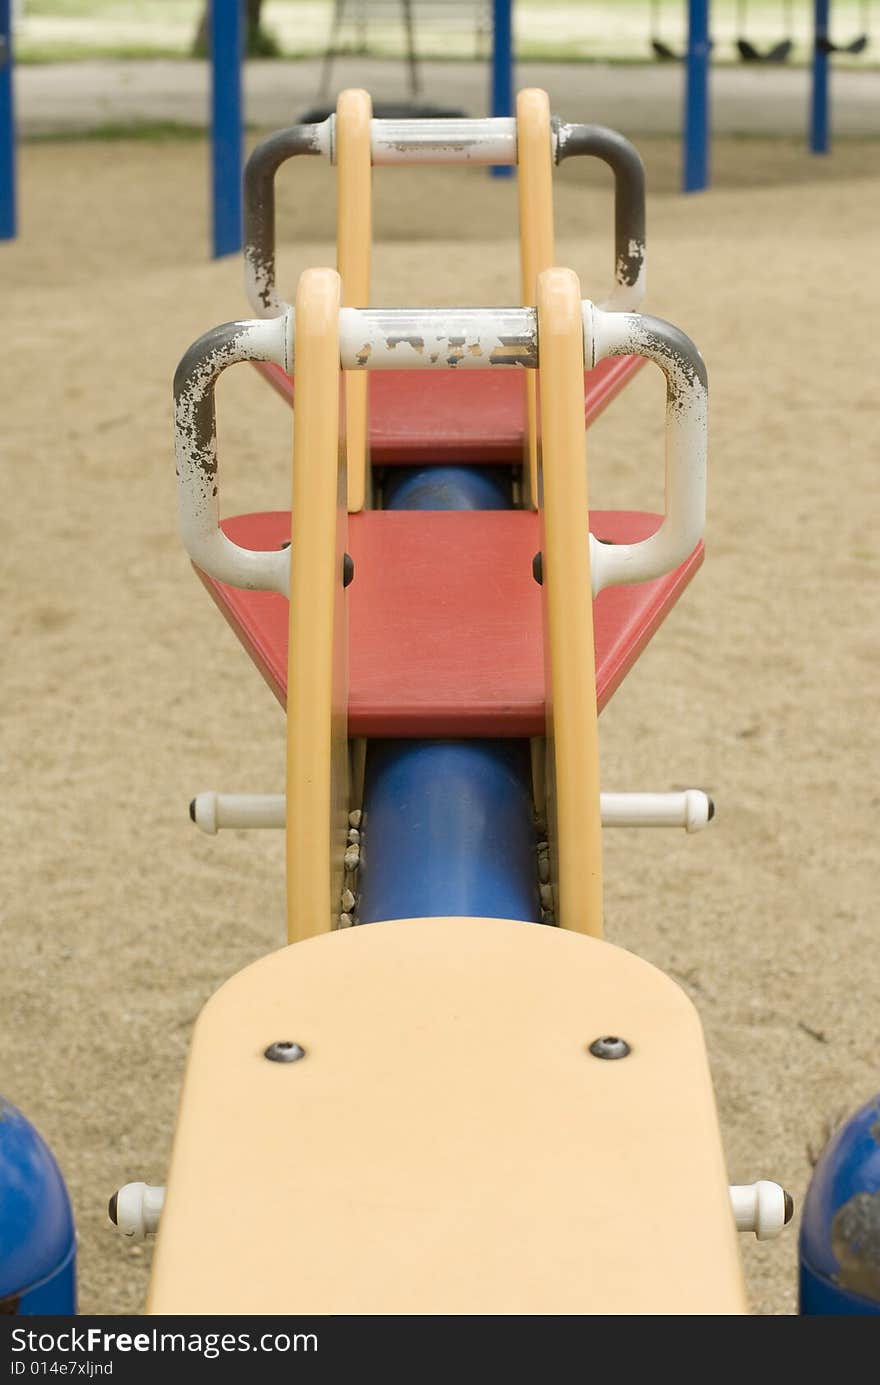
146, 132
37, 55
122, 9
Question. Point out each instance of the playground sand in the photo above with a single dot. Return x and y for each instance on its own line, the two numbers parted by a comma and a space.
126, 694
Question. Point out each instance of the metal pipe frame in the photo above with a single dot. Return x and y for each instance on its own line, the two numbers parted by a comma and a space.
491, 141
432, 339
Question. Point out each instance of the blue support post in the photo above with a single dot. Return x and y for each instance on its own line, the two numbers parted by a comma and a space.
227, 47
696, 101
502, 68
7, 127
820, 141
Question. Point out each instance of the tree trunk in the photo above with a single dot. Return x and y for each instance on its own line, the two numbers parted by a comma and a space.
258, 43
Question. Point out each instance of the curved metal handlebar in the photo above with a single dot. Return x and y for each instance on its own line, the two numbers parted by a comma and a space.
195, 447
259, 208
687, 424
443, 338
491, 141
626, 164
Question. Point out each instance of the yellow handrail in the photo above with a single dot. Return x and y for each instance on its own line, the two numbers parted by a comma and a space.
572, 720
317, 672
534, 155
354, 232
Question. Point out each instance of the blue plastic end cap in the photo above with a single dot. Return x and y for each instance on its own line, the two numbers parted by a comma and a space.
36, 1221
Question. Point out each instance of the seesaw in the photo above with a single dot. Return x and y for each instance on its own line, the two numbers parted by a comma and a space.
462, 418
474, 1104
481, 673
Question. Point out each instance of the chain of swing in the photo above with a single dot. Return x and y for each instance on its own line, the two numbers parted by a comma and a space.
778, 52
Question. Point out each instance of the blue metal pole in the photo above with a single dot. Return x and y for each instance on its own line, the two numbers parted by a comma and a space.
7, 127
696, 100
227, 46
820, 140
502, 68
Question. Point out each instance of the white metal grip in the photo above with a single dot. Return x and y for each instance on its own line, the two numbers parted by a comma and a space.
195, 435
444, 141
438, 338
631, 334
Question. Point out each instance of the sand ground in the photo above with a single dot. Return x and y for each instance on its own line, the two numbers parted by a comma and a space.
125, 693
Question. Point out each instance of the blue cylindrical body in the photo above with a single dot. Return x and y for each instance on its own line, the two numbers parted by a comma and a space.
820, 141
840, 1223
447, 488
37, 1241
448, 831
227, 46
7, 127
448, 826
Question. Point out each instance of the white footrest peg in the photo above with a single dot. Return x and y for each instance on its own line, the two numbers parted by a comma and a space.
135, 1210
763, 1207
692, 809
211, 811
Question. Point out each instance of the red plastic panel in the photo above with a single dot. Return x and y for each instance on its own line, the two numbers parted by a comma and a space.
445, 618
462, 417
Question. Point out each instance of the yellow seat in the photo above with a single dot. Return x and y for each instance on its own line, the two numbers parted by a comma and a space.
448, 1144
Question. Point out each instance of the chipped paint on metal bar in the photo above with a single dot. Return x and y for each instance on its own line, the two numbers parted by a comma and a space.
437, 338
631, 334
259, 207
195, 438
628, 289
444, 338
630, 281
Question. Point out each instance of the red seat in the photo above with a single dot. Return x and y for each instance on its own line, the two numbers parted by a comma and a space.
459, 416
445, 618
